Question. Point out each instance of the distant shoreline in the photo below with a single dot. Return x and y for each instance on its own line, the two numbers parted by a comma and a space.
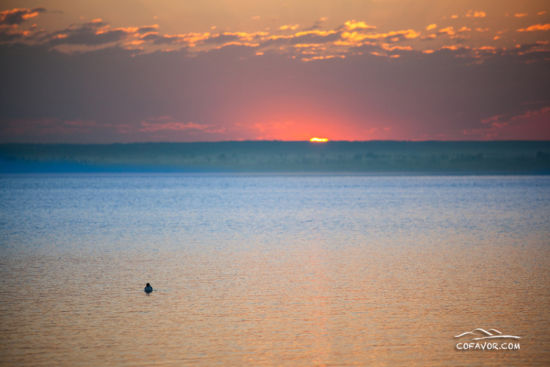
282, 157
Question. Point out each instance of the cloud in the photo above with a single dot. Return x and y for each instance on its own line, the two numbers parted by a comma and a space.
10, 21
170, 126
95, 32
148, 29
345, 80
291, 27
233, 89
12, 35
357, 37
531, 124
520, 15
18, 15
476, 14
322, 57
222, 38
353, 24
535, 28
303, 37
307, 45
450, 31
165, 39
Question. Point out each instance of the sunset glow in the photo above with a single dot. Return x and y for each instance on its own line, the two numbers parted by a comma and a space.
318, 140
181, 72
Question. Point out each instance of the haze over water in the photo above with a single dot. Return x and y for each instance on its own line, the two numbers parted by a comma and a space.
265, 270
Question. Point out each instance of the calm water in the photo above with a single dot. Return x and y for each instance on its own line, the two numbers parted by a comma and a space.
272, 270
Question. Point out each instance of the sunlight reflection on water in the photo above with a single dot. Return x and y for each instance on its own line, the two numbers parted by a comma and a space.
271, 270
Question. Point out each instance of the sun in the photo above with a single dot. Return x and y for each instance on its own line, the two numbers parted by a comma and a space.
318, 140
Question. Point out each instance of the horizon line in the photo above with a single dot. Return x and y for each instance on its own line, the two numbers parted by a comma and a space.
278, 141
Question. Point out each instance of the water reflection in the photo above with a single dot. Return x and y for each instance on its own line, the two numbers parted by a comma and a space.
381, 275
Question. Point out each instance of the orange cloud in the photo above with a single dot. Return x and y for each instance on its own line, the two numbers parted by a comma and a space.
476, 14
354, 24
388, 47
306, 45
30, 15
357, 36
291, 27
535, 27
487, 48
323, 57
450, 47
122, 29
431, 26
520, 15
450, 31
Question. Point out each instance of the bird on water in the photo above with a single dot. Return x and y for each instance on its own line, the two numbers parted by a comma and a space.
148, 288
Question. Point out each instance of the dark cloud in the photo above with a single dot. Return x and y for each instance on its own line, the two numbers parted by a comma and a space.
162, 40
147, 29
314, 38
222, 38
10, 36
89, 34
302, 38
151, 37
18, 16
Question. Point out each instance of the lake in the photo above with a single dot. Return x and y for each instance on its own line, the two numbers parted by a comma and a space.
265, 270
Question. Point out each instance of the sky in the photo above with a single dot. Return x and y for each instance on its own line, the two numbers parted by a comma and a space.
215, 70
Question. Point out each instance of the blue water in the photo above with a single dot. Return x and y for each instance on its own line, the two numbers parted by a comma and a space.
116, 211
316, 269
